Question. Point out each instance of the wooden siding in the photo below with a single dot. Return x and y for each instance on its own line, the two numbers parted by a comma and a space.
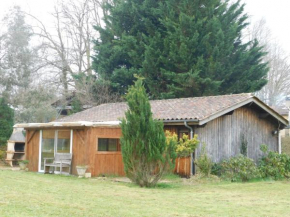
84, 150
32, 149
106, 163
223, 135
172, 129
183, 167
80, 149
109, 164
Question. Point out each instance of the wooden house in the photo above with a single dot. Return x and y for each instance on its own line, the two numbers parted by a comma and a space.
221, 122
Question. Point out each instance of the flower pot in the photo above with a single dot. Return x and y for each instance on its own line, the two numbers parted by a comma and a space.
88, 175
81, 170
22, 166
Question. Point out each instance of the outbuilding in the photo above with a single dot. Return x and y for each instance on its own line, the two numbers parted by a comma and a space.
223, 123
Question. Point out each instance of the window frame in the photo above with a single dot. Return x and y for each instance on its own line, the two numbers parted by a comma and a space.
55, 144
108, 152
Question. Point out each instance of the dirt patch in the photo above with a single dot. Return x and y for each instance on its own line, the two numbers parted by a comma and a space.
122, 179
199, 179
5, 167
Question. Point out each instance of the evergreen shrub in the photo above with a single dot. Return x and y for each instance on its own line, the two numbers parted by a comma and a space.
273, 164
146, 152
239, 168
6, 121
204, 163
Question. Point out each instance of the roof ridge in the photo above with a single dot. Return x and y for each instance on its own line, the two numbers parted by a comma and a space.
201, 97
182, 98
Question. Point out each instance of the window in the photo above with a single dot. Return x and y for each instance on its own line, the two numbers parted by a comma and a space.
47, 145
54, 141
109, 145
63, 141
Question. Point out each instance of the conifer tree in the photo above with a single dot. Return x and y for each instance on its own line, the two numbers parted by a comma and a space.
146, 153
6, 121
182, 48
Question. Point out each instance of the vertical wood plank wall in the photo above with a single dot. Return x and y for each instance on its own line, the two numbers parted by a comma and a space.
84, 151
32, 149
182, 166
80, 149
223, 135
106, 163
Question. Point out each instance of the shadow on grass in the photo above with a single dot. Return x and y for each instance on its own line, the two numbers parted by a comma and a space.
160, 185
167, 186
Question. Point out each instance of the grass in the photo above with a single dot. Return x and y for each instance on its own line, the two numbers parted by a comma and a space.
32, 194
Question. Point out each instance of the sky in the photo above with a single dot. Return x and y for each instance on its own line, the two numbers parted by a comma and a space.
40, 8
277, 16
275, 12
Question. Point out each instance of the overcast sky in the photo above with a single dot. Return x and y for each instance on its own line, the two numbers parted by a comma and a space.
275, 12
277, 16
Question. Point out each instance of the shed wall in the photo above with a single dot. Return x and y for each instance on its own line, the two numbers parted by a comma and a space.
80, 149
84, 150
32, 149
223, 136
104, 163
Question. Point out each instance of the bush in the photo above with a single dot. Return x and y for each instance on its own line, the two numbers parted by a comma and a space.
216, 169
204, 163
273, 164
244, 146
6, 121
3, 149
2, 155
186, 146
24, 161
239, 168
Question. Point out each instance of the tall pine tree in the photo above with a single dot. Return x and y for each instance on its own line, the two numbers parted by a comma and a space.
183, 48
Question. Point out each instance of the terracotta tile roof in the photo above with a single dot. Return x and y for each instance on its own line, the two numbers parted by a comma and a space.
197, 108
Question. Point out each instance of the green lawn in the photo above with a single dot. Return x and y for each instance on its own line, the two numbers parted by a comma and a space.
32, 194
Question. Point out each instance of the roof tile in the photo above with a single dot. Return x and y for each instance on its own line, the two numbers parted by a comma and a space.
169, 109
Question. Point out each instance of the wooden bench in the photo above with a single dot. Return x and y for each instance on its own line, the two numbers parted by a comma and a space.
60, 160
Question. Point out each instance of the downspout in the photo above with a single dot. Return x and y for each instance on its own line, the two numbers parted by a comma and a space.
191, 137
279, 139
279, 142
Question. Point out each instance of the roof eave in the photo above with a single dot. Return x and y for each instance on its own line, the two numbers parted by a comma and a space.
180, 121
65, 125
271, 111
253, 99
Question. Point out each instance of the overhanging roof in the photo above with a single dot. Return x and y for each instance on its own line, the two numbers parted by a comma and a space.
253, 99
79, 124
192, 109
195, 111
